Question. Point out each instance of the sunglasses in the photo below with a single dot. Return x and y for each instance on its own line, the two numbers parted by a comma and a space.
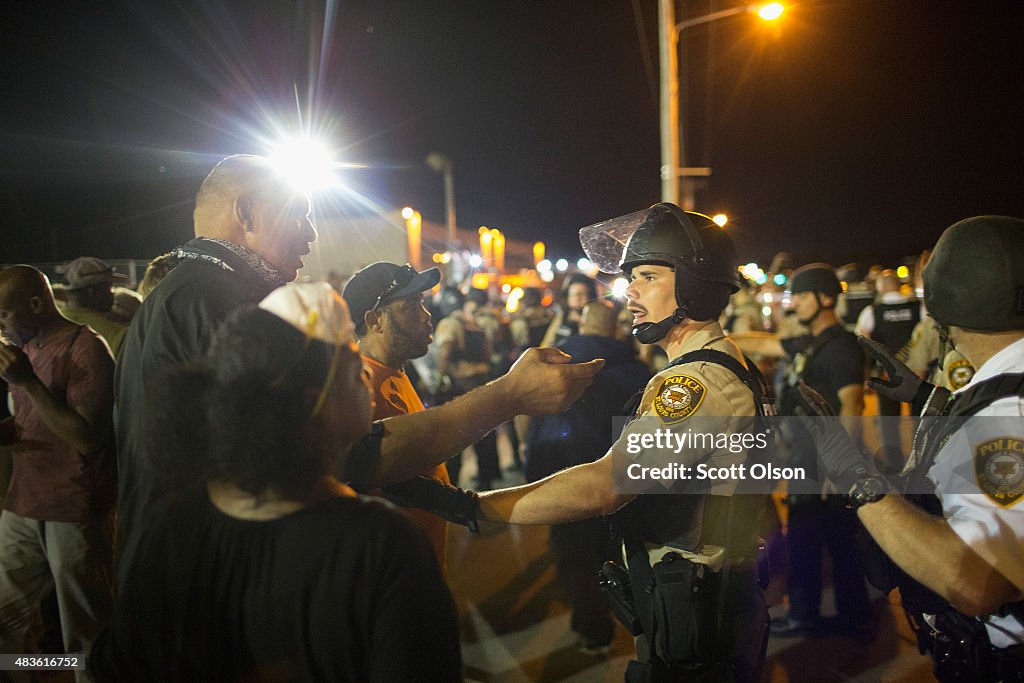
403, 276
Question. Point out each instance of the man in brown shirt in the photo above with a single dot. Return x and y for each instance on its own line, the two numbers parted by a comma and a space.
55, 525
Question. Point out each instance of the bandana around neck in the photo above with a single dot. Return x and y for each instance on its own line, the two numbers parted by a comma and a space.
256, 262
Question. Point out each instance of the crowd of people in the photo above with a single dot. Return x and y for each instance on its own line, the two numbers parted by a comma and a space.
260, 485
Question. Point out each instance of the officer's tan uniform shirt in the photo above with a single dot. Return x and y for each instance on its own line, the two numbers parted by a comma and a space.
678, 394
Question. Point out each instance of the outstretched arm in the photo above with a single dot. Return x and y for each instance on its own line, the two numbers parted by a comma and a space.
542, 382
759, 344
577, 493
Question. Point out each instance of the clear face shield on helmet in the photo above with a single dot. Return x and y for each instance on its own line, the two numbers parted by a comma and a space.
605, 243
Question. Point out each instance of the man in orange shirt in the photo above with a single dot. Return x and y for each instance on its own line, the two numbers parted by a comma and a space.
393, 326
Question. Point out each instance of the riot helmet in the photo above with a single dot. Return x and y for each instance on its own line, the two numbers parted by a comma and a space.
815, 277
975, 277
819, 279
699, 251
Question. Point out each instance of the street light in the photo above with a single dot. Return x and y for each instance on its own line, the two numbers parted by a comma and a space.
444, 165
672, 151
413, 230
720, 219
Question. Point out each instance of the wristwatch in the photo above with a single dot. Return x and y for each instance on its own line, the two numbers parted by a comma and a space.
868, 490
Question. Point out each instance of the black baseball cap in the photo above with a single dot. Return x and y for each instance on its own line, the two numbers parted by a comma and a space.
381, 282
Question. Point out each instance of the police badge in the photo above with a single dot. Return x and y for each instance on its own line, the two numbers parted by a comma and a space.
999, 469
678, 397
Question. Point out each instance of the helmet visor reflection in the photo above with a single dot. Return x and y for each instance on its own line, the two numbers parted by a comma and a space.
605, 242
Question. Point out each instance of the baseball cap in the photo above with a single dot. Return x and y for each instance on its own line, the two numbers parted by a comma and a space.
381, 282
87, 271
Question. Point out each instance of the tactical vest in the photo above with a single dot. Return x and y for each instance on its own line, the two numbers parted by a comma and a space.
894, 323
790, 396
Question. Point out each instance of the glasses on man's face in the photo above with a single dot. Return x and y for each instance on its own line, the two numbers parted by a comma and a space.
403, 276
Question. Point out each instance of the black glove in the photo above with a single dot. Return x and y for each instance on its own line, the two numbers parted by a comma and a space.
843, 462
444, 500
901, 384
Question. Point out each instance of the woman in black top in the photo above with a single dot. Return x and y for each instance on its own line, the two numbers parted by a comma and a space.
263, 566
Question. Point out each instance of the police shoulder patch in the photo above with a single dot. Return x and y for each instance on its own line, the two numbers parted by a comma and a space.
678, 397
959, 373
999, 469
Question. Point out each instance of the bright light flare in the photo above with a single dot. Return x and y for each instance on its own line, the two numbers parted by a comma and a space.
720, 219
544, 266
306, 163
512, 303
903, 272
408, 212
584, 263
771, 11
561, 265
475, 261
619, 287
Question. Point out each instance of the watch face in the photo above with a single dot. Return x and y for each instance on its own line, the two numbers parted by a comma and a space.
869, 490
872, 487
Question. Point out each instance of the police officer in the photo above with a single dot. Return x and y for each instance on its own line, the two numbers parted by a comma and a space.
955, 530
890, 322
690, 557
921, 353
831, 363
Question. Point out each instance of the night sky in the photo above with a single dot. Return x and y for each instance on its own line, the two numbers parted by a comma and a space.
848, 130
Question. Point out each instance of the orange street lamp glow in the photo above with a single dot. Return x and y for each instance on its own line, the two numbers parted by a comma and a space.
499, 250
413, 230
538, 252
485, 244
771, 11
720, 219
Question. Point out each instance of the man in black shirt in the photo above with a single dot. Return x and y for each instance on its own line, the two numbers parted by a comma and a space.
832, 363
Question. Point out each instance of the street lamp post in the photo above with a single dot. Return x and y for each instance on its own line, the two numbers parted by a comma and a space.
444, 165
673, 154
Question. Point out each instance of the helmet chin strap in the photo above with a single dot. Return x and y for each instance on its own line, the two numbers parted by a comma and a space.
945, 343
649, 333
817, 300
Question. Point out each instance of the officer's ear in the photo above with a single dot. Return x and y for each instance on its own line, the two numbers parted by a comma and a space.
827, 301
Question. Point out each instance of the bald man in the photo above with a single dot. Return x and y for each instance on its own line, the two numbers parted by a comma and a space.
54, 531
251, 232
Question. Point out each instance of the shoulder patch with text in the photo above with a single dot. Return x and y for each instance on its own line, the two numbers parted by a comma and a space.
999, 469
678, 397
